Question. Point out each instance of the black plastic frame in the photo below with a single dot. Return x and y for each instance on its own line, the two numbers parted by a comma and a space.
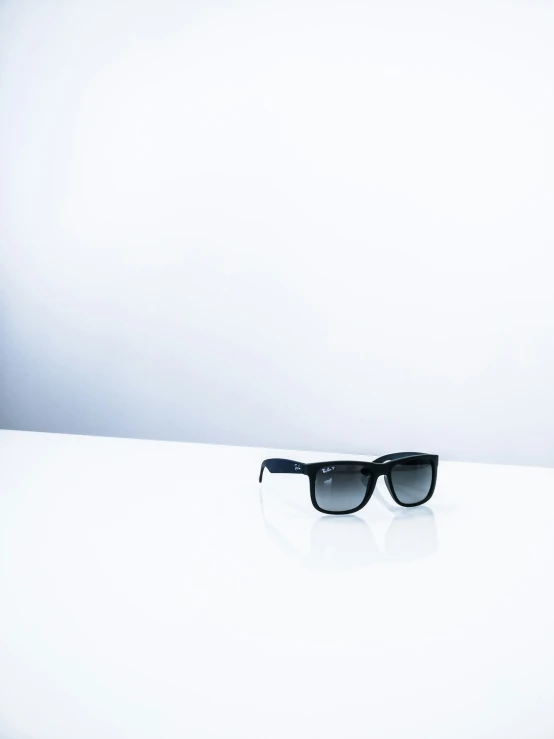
381, 466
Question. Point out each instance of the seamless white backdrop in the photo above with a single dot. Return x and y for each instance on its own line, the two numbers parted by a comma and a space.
269, 223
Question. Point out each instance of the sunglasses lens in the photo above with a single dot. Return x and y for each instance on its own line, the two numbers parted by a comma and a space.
412, 480
341, 487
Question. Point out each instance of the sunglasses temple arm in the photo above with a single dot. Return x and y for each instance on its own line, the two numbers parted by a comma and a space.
288, 466
398, 455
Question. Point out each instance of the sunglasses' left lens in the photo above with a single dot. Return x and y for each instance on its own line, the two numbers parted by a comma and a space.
412, 481
341, 487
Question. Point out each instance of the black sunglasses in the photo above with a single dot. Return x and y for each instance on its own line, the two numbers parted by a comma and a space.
345, 486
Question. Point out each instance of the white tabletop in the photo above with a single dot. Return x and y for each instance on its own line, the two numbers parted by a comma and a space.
156, 590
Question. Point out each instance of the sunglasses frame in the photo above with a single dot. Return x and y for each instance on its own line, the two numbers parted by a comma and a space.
381, 466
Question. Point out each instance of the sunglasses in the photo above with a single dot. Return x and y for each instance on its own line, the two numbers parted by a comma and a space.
345, 487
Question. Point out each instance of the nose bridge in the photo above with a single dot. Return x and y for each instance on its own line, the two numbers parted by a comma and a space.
378, 469
381, 469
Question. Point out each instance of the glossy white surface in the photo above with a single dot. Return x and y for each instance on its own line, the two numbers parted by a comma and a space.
154, 589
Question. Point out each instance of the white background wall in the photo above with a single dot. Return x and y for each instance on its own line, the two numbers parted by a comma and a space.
317, 226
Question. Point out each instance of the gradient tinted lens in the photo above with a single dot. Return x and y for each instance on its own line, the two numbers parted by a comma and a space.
412, 480
341, 487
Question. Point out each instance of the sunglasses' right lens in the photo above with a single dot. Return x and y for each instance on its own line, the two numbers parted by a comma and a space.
412, 481
341, 487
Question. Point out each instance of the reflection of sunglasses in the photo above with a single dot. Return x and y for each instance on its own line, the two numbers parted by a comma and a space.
345, 487
349, 542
